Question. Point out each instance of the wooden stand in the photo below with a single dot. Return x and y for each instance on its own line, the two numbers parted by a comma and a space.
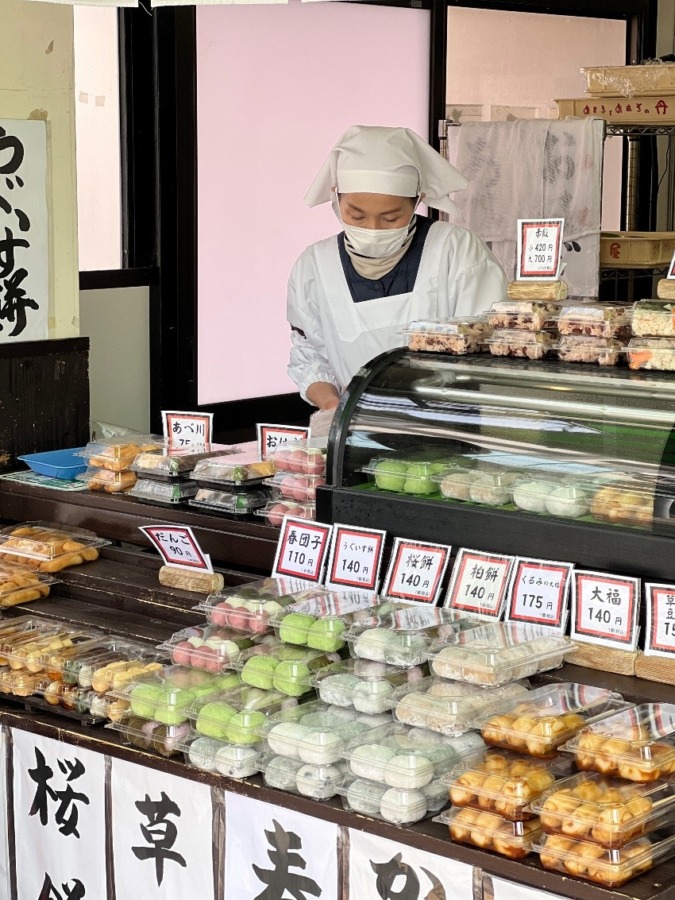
606, 659
655, 668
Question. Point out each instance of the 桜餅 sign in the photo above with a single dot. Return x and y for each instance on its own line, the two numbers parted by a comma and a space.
162, 828
24, 231
59, 819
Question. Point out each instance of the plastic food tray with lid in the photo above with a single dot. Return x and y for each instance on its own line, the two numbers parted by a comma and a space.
503, 782
230, 503
525, 344
295, 486
600, 320
108, 480
316, 781
16, 631
233, 471
542, 492
171, 463
547, 717
206, 647
522, 315
275, 511
447, 707
149, 734
403, 475
651, 353
237, 715
361, 683
117, 454
33, 646
232, 760
610, 868
318, 622
110, 662
496, 653
654, 318
454, 335
637, 743
302, 457
248, 607
399, 806
20, 584
607, 811
268, 665
48, 547
593, 350
488, 831
163, 493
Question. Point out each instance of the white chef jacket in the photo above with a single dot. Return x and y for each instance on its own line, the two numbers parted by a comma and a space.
333, 336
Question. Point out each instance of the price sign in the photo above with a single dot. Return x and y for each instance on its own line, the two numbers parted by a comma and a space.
302, 549
539, 592
604, 609
271, 437
660, 600
177, 546
478, 583
355, 558
539, 249
184, 429
416, 571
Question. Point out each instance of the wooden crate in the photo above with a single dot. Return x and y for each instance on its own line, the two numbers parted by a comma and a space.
627, 81
636, 249
641, 110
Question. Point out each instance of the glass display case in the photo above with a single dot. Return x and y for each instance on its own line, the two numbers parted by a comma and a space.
531, 457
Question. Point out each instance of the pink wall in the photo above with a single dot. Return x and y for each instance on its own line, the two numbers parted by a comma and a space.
277, 85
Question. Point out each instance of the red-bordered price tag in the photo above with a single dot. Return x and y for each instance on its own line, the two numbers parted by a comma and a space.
539, 249
185, 429
660, 600
355, 558
177, 546
302, 549
605, 609
539, 592
478, 583
415, 571
271, 437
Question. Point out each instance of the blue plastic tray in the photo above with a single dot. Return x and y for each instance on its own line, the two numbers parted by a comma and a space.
64, 464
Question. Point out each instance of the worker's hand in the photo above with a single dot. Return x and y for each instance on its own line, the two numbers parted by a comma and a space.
320, 422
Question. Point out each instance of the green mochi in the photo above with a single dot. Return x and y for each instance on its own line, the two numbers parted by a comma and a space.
390, 475
213, 718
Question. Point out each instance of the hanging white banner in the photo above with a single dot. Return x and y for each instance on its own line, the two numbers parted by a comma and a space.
162, 829
497, 889
59, 818
271, 852
24, 226
4, 846
382, 868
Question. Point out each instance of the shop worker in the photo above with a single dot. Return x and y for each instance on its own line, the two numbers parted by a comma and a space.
351, 295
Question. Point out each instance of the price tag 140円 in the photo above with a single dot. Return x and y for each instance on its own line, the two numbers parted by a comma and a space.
478, 583
605, 609
355, 558
416, 571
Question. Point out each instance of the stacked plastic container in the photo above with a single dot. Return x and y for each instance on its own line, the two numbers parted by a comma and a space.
300, 468
457, 335
164, 474
20, 584
523, 328
593, 332
232, 485
653, 343
44, 547
109, 461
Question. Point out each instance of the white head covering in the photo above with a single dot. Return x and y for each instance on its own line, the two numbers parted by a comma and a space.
377, 160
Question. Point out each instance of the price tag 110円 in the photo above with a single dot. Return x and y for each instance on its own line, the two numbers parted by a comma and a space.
605, 609
302, 549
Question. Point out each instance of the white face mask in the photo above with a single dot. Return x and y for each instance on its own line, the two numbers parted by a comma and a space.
376, 243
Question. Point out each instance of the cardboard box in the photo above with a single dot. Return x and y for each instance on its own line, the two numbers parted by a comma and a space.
628, 81
636, 249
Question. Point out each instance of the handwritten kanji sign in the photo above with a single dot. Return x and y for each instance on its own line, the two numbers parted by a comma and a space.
59, 818
177, 546
302, 549
187, 429
539, 592
605, 609
271, 437
416, 571
355, 558
539, 249
478, 583
660, 601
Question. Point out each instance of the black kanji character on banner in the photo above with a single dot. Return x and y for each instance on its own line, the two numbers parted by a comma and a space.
67, 813
159, 832
14, 304
280, 879
50, 892
391, 872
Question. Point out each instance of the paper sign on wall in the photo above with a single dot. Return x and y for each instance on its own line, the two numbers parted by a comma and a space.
187, 429
539, 249
660, 639
355, 558
59, 818
162, 834
478, 583
605, 609
539, 592
178, 546
271, 851
271, 437
379, 867
416, 571
498, 889
302, 549
4, 846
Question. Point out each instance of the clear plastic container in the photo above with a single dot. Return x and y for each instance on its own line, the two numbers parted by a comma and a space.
206, 647
237, 715
249, 607
587, 349
546, 717
319, 782
16, 632
504, 783
546, 495
624, 501
108, 480
637, 744
109, 663
295, 486
318, 622
522, 315
488, 831
454, 335
599, 320
362, 684
654, 318
447, 707
395, 805
607, 811
148, 734
229, 502
172, 462
651, 353
304, 457
267, 665
163, 493
496, 653
524, 344
404, 476
609, 868
47, 547
20, 584
30, 650
233, 470
231, 760
275, 511
117, 454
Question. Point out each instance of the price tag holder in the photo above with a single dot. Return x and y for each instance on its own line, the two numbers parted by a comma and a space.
539, 592
185, 429
355, 558
271, 437
660, 600
302, 549
605, 609
416, 571
671, 269
539, 249
178, 546
478, 583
